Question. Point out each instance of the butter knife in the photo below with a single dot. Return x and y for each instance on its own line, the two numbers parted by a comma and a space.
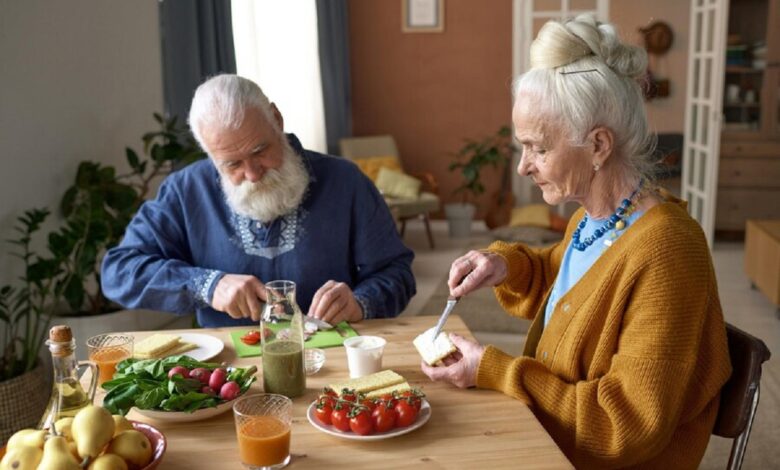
451, 301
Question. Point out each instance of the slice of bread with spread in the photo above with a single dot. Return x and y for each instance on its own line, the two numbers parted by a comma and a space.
434, 350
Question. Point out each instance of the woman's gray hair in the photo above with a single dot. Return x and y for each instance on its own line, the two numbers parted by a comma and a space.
584, 77
221, 101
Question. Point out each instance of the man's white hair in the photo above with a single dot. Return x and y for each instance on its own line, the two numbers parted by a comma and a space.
221, 103
583, 77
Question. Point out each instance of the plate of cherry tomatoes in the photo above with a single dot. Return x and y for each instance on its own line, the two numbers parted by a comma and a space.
352, 416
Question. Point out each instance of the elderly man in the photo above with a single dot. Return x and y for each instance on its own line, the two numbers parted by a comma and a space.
261, 208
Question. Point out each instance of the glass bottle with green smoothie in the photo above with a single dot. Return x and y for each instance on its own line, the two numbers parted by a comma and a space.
283, 359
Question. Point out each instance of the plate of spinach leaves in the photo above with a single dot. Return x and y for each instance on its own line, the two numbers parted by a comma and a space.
144, 384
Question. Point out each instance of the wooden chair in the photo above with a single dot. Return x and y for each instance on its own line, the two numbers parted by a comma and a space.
355, 148
739, 396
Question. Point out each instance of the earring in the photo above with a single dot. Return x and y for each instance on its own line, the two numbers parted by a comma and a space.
596, 167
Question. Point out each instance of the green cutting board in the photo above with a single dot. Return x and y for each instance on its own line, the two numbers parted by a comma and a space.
321, 339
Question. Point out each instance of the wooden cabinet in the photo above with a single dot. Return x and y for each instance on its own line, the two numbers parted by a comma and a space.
749, 168
748, 183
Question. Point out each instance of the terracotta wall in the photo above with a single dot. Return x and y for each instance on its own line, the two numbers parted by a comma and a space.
664, 114
432, 90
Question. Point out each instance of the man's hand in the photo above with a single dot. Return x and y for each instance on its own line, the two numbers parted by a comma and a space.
334, 302
239, 296
460, 367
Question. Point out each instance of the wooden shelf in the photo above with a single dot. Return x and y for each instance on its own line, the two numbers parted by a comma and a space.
741, 105
742, 69
749, 166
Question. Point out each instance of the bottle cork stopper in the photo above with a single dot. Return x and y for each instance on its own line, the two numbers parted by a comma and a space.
60, 333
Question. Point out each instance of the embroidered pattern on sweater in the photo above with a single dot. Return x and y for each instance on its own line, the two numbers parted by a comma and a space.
265, 240
202, 285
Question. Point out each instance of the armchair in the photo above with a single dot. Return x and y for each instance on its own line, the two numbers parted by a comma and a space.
403, 209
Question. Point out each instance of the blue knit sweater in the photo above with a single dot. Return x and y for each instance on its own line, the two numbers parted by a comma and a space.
179, 245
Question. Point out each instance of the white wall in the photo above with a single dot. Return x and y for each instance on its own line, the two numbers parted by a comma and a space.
79, 80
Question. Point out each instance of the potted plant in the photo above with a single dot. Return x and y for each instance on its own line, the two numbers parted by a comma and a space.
66, 280
493, 150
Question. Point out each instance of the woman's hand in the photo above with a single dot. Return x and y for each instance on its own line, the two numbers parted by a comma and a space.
475, 270
460, 367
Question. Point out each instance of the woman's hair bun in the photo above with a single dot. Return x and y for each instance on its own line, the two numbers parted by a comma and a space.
559, 44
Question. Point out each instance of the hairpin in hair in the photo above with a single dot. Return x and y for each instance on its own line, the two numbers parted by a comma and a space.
577, 71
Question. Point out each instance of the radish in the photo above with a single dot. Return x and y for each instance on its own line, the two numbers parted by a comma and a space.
229, 391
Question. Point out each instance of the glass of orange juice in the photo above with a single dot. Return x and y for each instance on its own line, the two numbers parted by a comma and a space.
107, 350
263, 430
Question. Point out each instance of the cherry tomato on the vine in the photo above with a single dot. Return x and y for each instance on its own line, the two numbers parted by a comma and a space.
360, 421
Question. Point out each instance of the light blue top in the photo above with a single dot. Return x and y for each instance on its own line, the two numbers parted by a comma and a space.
576, 263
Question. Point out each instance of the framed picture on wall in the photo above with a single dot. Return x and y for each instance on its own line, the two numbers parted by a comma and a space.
422, 16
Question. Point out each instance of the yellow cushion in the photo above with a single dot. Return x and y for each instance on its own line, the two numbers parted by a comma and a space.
535, 215
397, 184
371, 165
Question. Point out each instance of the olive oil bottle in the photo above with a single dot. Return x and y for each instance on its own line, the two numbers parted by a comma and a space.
67, 395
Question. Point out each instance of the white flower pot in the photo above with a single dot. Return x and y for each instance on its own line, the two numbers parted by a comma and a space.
459, 216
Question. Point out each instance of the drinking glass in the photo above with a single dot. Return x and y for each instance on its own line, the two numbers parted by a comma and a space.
263, 429
108, 350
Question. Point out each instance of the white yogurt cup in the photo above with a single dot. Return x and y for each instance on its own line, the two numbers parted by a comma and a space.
364, 355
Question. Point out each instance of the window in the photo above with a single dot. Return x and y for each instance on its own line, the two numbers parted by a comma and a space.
276, 47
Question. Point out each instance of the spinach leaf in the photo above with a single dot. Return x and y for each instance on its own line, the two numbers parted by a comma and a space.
181, 402
121, 398
151, 399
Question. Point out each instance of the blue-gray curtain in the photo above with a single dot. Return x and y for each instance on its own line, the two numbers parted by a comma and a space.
333, 34
197, 42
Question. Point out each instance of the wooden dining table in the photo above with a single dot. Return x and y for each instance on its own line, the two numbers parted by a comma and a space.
468, 428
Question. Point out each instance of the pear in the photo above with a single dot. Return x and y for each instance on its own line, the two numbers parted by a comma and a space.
63, 426
21, 457
56, 456
74, 450
108, 462
132, 446
27, 437
92, 429
121, 424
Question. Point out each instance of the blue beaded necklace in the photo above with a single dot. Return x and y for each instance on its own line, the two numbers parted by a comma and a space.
616, 221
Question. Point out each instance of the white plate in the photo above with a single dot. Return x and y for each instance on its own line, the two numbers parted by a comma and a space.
182, 417
422, 418
208, 346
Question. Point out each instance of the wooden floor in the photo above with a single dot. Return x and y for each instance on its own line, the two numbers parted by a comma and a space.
744, 307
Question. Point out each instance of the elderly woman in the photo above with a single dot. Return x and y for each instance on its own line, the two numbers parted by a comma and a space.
627, 351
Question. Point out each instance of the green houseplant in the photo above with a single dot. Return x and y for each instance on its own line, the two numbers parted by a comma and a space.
494, 150
95, 211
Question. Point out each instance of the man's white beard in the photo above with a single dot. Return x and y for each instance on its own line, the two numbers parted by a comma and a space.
278, 192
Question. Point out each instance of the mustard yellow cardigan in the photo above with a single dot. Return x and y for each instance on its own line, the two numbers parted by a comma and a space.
629, 369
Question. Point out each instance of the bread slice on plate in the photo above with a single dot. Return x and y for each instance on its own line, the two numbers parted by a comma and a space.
369, 383
400, 388
433, 351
